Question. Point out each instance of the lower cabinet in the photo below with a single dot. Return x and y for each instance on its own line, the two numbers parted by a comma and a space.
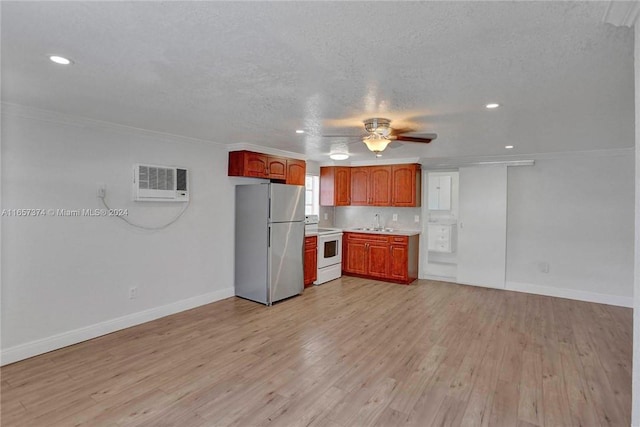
381, 256
310, 260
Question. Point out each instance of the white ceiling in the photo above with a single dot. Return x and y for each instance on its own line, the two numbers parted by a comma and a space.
245, 72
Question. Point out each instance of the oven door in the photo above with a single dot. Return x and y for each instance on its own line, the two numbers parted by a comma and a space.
329, 250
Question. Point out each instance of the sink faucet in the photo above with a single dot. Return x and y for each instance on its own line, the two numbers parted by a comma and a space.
377, 221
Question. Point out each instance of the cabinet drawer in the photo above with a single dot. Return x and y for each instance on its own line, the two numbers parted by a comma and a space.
366, 237
399, 240
440, 230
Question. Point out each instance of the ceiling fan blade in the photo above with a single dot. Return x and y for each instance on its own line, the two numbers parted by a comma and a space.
341, 136
424, 138
399, 131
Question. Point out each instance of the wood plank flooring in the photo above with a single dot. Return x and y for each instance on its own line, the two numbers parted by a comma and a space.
352, 352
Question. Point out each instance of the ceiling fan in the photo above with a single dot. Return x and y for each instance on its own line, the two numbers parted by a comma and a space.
380, 134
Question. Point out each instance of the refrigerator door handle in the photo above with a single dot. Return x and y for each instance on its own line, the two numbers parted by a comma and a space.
269, 236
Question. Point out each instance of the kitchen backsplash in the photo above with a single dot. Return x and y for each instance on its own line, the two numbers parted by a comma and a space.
364, 216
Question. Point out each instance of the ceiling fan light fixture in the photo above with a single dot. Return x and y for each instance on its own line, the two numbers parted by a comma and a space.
378, 125
376, 143
338, 156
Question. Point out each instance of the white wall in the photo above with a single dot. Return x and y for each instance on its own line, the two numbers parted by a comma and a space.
577, 214
65, 279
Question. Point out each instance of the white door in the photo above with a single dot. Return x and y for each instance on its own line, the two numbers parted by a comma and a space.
482, 226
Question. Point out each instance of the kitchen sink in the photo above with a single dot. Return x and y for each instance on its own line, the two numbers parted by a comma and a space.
387, 230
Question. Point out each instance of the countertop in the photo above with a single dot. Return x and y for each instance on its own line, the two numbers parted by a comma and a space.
388, 231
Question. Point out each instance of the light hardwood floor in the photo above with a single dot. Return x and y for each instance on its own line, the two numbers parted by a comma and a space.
352, 352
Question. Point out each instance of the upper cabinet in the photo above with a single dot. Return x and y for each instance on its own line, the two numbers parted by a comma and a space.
247, 163
388, 185
439, 192
335, 186
296, 171
276, 167
407, 185
371, 186
359, 186
259, 165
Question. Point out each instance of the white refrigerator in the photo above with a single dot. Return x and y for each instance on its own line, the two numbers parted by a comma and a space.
269, 246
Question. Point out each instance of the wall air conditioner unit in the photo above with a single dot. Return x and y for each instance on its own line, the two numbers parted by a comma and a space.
153, 183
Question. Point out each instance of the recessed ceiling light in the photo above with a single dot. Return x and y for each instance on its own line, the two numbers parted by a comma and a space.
339, 156
60, 60
299, 131
508, 147
492, 105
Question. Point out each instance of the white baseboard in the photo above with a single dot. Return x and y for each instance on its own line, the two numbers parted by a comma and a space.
44, 345
439, 278
570, 294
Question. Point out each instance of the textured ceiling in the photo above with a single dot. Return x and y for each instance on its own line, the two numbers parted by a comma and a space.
245, 72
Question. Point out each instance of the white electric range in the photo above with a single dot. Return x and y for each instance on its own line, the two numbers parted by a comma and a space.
329, 250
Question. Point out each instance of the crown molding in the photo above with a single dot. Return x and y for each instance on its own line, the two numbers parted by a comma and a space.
515, 159
622, 13
42, 115
240, 146
375, 162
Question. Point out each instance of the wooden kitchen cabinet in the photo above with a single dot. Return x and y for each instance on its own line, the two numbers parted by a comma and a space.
310, 260
381, 256
335, 186
248, 163
371, 186
407, 185
276, 168
380, 186
354, 254
399, 259
296, 171
378, 259
360, 186
387, 185
258, 165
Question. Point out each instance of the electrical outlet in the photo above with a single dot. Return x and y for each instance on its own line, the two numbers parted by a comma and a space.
543, 267
395, 217
416, 218
326, 216
102, 190
133, 292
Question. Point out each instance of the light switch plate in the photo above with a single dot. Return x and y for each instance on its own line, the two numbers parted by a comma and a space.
416, 218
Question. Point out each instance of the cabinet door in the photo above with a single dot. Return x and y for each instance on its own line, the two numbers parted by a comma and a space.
310, 260
296, 171
378, 259
343, 186
277, 167
380, 186
256, 165
406, 185
360, 186
439, 192
398, 262
335, 186
355, 257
